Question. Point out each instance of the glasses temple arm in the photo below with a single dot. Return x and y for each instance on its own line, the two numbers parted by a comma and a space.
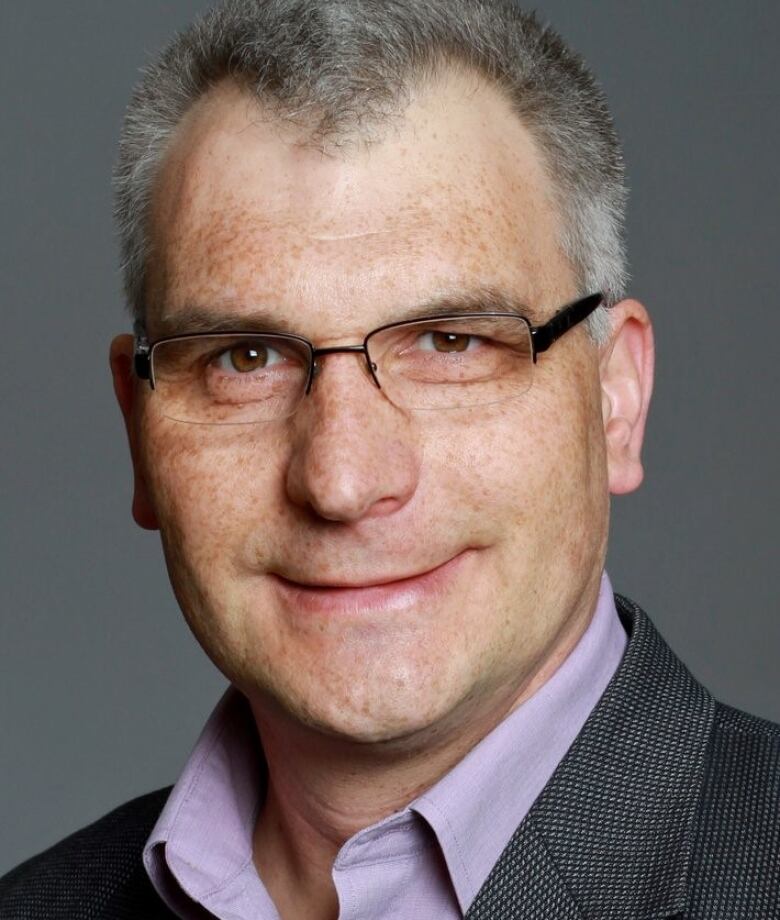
544, 336
141, 352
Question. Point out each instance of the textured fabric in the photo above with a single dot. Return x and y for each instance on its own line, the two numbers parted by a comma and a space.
666, 805
429, 859
740, 869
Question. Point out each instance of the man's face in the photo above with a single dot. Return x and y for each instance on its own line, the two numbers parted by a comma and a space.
274, 533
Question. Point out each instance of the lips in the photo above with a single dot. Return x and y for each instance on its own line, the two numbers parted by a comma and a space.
346, 584
379, 593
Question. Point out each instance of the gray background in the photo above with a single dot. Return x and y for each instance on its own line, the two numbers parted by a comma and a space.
102, 688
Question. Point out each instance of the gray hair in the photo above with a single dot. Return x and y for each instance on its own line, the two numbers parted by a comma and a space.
340, 66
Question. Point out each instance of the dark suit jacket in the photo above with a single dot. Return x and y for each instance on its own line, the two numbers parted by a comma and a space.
667, 805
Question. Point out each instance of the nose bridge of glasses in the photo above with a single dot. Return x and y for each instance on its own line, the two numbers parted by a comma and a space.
317, 353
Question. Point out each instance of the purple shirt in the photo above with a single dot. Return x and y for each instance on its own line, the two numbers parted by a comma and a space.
430, 859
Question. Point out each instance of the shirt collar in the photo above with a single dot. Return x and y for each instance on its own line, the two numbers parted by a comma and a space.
202, 841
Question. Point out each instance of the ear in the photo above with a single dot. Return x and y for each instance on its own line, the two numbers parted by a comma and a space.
126, 390
626, 370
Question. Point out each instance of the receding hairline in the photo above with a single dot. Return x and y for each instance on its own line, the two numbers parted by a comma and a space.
315, 129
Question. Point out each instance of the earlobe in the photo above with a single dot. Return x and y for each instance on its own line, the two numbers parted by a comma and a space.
125, 388
626, 370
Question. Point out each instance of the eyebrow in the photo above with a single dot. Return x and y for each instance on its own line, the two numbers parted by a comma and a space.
195, 319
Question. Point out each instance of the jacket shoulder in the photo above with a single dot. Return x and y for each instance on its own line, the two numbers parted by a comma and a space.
81, 874
736, 864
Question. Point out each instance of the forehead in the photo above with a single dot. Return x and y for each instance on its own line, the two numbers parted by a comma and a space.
452, 195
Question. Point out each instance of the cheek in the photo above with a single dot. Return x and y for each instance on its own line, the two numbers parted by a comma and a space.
533, 472
209, 488
211, 491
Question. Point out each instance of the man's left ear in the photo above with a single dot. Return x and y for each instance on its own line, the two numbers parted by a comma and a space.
626, 369
125, 388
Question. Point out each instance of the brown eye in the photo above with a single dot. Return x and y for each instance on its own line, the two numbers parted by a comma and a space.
243, 357
247, 358
450, 341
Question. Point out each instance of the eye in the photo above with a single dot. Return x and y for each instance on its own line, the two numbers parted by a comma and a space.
246, 357
447, 342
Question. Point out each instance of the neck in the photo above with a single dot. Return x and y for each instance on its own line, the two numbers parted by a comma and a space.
326, 789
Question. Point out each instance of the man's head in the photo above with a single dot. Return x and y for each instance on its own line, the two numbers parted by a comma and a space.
336, 166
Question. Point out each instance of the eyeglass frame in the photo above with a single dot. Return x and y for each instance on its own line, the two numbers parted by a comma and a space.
542, 337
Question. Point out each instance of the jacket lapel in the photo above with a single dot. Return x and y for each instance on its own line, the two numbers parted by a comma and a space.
611, 835
524, 883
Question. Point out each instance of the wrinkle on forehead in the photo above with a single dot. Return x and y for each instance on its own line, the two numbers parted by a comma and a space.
233, 219
337, 237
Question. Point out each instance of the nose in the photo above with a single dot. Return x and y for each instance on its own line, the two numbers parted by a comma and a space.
354, 454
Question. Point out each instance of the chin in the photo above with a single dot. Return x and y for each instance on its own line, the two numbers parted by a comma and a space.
371, 714
388, 734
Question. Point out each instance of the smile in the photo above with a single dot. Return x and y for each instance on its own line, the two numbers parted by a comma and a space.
373, 595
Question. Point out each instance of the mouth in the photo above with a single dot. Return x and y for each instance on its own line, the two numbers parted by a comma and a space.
379, 594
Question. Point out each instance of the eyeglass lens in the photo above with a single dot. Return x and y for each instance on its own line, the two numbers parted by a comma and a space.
429, 364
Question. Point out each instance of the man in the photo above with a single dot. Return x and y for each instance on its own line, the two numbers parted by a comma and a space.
383, 380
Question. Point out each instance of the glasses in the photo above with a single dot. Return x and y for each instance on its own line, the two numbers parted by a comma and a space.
440, 362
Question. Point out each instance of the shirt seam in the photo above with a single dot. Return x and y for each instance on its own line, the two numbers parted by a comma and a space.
386, 860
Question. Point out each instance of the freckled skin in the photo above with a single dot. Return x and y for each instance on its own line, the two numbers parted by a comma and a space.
351, 487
